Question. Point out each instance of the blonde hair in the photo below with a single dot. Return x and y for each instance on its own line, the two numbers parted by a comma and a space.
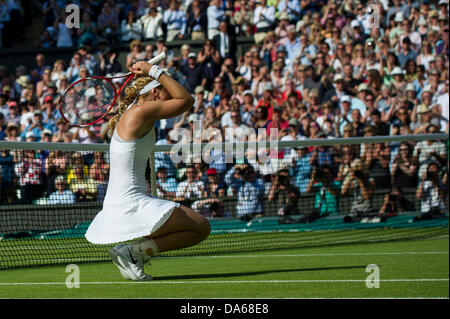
131, 93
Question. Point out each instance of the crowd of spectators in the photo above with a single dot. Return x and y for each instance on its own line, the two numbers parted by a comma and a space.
316, 69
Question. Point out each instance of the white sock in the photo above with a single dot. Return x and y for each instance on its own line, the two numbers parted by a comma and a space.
141, 246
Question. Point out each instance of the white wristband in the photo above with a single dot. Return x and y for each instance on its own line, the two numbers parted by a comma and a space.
155, 72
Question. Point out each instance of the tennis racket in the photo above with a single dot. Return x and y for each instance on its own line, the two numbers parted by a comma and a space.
88, 100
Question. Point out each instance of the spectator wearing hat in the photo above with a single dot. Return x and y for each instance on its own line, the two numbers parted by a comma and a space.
281, 30
421, 119
337, 92
23, 82
292, 45
398, 80
196, 22
175, 20
12, 132
46, 136
214, 188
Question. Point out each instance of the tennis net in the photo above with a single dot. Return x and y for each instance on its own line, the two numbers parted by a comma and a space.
295, 194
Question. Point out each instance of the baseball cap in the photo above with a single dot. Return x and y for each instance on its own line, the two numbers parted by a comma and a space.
399, 17
423, 109
397, 71
47, 132
410, 87
192, 55
211, 172
281, 48
363, 87
51, 85
355, 24
48, 98
346, 98
199, 89
338, 77
193, 117
12, 103
248, 92
268, 87
30, 134
284, 16
37, 112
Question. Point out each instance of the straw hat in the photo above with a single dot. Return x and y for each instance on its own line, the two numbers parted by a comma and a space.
24, 81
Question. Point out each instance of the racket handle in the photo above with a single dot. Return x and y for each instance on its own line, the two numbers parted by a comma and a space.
158, 58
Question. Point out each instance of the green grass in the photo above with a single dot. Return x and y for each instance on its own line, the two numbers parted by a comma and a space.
38, 252
321, 272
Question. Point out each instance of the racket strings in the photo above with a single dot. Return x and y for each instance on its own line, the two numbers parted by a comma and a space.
87, 101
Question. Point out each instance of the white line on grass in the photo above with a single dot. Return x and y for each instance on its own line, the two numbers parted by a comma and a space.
318, 255
220, 281
264, 256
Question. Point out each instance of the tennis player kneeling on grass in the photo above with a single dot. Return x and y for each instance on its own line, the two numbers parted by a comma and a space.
128, 212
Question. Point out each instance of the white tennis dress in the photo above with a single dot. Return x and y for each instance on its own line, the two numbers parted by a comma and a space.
128, 212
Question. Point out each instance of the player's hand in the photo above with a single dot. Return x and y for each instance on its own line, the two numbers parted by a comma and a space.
141, 68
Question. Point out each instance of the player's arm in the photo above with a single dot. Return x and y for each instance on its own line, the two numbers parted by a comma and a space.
181, 99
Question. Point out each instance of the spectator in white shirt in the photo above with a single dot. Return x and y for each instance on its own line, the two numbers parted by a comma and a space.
175, 19
151, 24
190, 189
214, 15
263, 19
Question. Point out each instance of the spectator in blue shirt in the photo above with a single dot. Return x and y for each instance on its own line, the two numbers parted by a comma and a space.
250, 195
302, 168
406, 53
36, 127
166, 186
62, 195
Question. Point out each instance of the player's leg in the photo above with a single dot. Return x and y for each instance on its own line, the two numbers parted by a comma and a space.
184, 228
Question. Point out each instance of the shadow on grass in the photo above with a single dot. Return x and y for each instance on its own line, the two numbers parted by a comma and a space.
251, 273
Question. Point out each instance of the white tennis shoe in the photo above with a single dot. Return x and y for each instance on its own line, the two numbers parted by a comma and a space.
113, 254
131, 263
